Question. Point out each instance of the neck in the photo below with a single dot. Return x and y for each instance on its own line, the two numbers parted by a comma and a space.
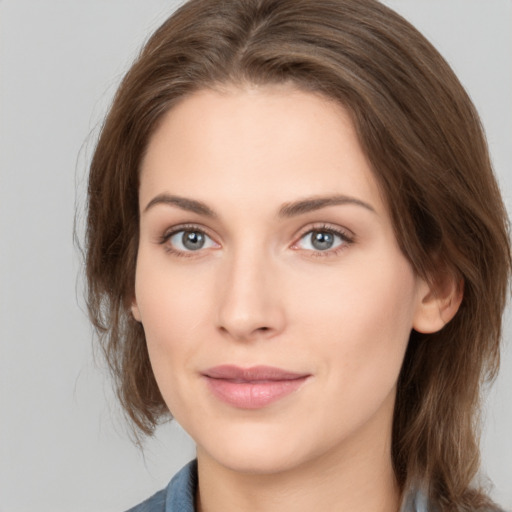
357, 477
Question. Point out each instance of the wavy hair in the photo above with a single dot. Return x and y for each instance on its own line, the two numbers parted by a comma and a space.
426, 146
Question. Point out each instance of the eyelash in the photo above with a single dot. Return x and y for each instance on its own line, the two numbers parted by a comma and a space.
164, 239
346, 239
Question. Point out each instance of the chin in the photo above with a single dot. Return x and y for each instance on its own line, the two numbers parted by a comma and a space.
260, 451
258, 463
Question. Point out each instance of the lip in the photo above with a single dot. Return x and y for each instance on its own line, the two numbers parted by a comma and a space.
254, 387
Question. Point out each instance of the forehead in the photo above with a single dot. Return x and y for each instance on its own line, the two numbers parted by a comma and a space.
268, 142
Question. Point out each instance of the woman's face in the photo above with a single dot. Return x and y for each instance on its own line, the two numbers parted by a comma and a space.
275, 301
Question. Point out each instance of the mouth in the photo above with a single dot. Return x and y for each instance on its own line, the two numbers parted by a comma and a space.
252, 388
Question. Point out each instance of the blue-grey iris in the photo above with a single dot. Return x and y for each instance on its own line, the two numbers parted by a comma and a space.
193, 240
322, 240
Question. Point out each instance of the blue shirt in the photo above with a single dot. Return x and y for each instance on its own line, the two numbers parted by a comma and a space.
179, 495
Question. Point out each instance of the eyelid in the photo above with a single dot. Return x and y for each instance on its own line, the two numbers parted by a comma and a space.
346, 235
170, 232
184, 227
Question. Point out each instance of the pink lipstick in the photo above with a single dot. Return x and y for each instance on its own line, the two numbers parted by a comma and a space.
252, 388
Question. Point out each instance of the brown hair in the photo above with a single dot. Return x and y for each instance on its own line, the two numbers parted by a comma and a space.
424, 140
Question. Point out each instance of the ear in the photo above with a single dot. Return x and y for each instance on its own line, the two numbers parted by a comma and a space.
135, 310
438, 303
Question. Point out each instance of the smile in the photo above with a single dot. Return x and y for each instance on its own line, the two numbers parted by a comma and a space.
252, 388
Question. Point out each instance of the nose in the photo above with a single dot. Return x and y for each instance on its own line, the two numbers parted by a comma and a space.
251, 302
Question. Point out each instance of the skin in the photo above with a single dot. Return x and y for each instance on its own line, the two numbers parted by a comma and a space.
259, 293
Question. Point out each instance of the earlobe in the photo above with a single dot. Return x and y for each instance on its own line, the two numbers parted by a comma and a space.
135, 310
438, 304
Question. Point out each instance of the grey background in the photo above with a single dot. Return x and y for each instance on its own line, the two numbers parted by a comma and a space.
63, 444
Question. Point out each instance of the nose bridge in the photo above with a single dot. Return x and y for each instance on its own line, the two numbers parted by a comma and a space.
250, 304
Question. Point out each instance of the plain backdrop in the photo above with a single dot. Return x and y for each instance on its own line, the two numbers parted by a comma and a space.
63, 444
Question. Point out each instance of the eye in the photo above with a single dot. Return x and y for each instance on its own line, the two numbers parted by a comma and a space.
189, 240
322, 240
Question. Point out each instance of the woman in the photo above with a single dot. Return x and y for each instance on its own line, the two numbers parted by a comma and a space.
296, 247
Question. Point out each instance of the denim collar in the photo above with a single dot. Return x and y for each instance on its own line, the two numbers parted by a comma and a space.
179, 495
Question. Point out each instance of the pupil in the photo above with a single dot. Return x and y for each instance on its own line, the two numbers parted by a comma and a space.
193, 240
322, 240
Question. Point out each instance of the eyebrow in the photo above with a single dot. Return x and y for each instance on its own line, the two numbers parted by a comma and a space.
316, 203
287, 210
190, 205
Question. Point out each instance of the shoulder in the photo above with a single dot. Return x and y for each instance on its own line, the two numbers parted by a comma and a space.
154, 504
178, 496
416, 500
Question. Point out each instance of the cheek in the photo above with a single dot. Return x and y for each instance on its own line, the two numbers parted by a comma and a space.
173, 306
359, 328
362, 319
170, 299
